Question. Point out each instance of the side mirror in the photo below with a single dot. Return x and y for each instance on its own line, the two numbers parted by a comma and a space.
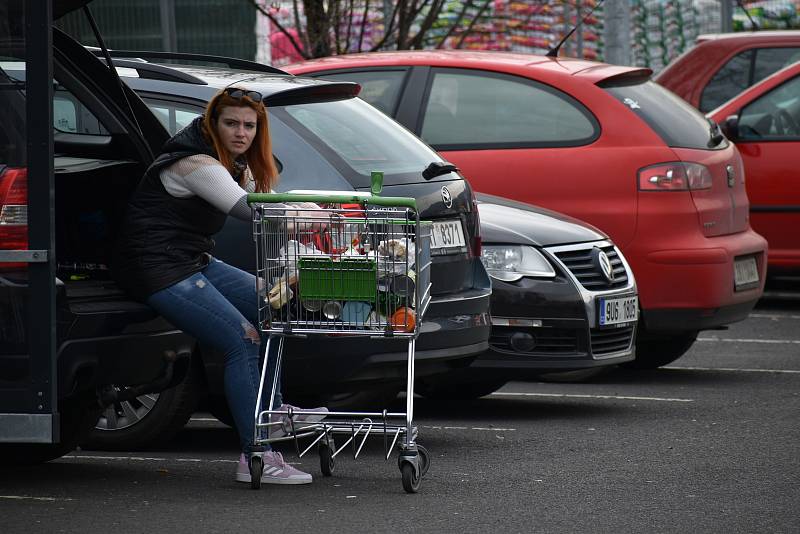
730, 127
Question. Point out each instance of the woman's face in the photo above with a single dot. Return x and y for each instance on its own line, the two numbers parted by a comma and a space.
236, 127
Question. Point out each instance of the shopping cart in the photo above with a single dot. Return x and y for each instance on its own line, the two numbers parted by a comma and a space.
359, 266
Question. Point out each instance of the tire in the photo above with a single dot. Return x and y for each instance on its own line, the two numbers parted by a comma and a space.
442, 389
77, 420
411, 480
256, 467
327, 463
653, 352
150, 419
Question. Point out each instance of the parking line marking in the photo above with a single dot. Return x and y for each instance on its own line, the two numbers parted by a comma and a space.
576, 396
773, 316
735, 370
484, 428
30, 498
746, 340
146, 459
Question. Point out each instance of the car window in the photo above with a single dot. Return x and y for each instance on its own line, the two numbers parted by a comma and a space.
742, 71
775, 115
359, 140
69, 114
173, 115
670, 116
300, 142
729, 81
381, 88
495, 110
771, 60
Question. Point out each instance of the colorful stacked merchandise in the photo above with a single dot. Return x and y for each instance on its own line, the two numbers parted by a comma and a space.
768, 15
521, 27
663, 29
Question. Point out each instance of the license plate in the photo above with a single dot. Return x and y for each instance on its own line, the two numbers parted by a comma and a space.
617, 310
447, 234
745, 273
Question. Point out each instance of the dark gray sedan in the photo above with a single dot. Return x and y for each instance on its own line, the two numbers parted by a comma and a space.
563, 299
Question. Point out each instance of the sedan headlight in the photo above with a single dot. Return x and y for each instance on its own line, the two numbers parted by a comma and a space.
509, 263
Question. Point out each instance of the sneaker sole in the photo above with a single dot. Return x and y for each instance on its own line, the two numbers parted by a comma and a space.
269, 480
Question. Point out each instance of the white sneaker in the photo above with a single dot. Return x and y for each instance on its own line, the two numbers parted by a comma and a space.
276, 471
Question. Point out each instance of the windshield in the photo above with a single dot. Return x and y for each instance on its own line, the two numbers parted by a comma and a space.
359, 139
672, 118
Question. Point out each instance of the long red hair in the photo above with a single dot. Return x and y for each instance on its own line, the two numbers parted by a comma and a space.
259, 155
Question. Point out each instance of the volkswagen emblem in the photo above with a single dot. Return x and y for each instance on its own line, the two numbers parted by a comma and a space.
602, 261
731, 175
446, 198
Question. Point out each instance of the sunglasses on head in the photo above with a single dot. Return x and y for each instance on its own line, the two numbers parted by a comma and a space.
238, 94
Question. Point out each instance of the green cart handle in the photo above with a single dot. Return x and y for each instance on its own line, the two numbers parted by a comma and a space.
344, 198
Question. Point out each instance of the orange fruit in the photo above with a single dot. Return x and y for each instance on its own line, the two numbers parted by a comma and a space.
403, 320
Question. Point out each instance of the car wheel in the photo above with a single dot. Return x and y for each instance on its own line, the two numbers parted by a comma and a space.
148, 419
653, 352
450, 390
77, 419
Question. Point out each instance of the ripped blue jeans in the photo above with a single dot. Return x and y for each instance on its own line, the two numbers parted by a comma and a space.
218, 307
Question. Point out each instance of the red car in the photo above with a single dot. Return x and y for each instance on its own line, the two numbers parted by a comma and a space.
599, 142
764, 122
720, 66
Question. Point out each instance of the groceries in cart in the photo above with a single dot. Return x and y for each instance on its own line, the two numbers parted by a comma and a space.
358, 272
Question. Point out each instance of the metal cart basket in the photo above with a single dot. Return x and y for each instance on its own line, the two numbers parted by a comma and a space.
357, 266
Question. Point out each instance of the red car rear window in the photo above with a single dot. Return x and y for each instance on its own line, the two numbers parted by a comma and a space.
672, 118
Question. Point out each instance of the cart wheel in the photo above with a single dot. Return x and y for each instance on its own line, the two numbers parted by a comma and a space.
256, 467
410, 480
327, 462
424, 460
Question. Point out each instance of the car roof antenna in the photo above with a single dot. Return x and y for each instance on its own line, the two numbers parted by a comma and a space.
747, 14
553, 52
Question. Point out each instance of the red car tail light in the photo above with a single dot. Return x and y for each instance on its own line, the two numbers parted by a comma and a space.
674, 176
13, 212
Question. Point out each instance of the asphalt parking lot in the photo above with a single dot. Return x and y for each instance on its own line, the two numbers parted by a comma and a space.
709, 444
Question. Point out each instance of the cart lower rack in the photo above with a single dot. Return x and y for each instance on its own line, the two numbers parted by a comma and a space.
354, 265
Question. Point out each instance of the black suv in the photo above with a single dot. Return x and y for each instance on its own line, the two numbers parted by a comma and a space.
118, 351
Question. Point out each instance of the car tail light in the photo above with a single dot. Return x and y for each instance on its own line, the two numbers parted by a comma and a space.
674, 176
13, 213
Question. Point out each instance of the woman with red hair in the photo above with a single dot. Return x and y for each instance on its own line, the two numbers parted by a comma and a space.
163, 256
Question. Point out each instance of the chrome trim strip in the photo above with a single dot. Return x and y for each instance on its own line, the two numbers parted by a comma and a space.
23, 256
436, 300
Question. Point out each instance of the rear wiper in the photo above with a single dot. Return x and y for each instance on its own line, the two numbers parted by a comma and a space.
438, 168
715, 133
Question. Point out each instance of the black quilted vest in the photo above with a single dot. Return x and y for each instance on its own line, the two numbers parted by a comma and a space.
165, 239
